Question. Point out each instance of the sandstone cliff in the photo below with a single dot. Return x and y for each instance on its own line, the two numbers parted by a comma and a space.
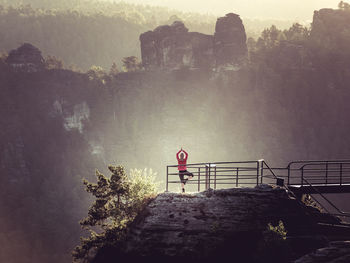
173, 47
219, 224
230, 47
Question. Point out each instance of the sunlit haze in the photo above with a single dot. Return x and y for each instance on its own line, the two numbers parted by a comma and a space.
252, 90
275, 9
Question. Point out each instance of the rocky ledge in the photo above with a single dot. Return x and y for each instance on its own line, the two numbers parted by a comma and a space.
214, 224
336, 252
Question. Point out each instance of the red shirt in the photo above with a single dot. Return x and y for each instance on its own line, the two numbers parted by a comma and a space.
182, 163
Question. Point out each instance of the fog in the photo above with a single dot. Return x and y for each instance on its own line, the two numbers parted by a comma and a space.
266, 9
289, 101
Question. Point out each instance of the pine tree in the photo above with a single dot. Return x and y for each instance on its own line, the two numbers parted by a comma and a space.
51, 62
131, 64
118, 201
114, 70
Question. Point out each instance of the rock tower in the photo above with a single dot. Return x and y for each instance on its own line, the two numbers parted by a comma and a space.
173, 47
26, 58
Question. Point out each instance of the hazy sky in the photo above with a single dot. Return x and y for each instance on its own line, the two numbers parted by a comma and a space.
279, 9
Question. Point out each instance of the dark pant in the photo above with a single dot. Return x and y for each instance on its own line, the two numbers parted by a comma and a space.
182, 173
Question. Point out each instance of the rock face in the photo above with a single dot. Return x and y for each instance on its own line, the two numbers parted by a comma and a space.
173, 47
220, 223
338, 252
230, 47
26, 58
329, 31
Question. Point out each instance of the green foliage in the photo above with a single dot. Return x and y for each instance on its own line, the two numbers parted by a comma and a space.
309, 201
280, 50
273, 247
96, 73
344, 5
142, 184
131, 64
276, 232
3, 57
51, 62
118, 201
113, 70
73, 67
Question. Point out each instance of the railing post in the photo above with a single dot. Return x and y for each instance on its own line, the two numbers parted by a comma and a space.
199, 179
302, 176
167, 177
326, 172
215, 177
288, 174
209, 176
262, 172
341, 174
237, 177
206, 176
257, 172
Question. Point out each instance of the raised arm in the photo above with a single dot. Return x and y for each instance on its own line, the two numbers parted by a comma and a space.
177, 155
186, 154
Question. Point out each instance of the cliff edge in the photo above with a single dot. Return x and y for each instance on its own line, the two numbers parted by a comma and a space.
219, 224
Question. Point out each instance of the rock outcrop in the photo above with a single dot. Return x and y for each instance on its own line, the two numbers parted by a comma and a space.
336, 252
217, 224
330, 32
26, 58
173, 47
230, 47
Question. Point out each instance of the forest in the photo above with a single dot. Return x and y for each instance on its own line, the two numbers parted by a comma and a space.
290, 101
68, 30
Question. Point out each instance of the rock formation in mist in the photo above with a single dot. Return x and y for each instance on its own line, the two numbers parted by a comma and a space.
219, 224
173, 47
330, 31
230, 47
26, 58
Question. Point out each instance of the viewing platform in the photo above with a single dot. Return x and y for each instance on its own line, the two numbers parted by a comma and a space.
312, 177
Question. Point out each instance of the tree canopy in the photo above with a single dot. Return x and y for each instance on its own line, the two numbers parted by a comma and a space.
118, 201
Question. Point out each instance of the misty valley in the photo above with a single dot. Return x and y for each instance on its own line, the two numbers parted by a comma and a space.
216, 88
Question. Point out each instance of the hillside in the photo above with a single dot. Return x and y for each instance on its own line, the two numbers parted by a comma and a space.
290, 101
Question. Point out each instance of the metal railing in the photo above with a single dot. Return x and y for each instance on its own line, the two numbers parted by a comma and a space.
310, 174
339, 212
321, 173
218, 174
324, 172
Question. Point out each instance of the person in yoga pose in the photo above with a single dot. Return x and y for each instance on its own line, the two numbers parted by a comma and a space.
181, 157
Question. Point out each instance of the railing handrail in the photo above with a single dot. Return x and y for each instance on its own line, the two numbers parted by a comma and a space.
315, 161
206, 163
324, 163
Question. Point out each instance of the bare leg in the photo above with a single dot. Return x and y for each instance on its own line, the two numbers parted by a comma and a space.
183, 187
